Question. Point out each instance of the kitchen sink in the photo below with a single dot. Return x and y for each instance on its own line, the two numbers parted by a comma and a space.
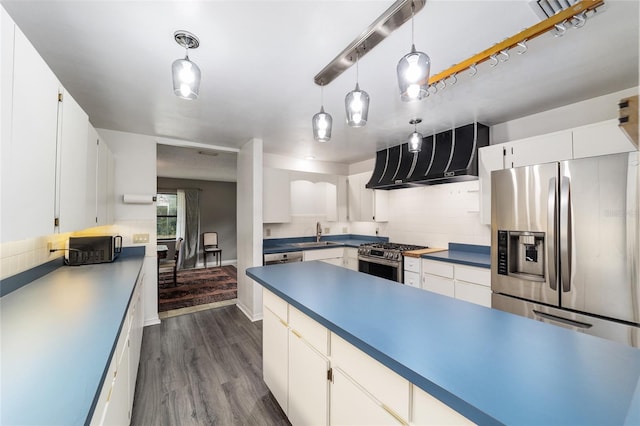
316, 244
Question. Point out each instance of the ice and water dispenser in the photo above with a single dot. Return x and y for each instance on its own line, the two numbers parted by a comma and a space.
521, 254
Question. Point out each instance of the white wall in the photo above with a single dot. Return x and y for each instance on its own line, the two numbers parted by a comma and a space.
135, 173
249, 224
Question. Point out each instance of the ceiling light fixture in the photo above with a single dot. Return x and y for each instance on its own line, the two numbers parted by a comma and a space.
413, 71
415, 140
322, 121
186, 74
357, 103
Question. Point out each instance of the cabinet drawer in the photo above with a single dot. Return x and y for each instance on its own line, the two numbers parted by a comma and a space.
310, 330
412, 279
438, 285
323, 253
412, 264
474, 293
474, 275
427, 410
433, 267
381, 382
275, 304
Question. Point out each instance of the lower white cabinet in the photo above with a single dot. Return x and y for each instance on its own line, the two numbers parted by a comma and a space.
469, 283
116, 396
318, 378
351, 258
334, 255
412, 267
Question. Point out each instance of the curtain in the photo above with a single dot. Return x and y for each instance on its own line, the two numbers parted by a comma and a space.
191, 243
180, 210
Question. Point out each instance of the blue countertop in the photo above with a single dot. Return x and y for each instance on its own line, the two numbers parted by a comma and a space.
58, 334
286, 245
492, 366
463, 254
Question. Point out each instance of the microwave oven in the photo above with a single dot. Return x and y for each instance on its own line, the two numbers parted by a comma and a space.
91, 250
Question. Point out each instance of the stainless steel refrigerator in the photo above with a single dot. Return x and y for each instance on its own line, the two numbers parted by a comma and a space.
565, 244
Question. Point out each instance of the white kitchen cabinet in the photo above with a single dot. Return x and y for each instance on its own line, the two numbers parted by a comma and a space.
276, 198
412, 269
115, 400
469, 283
428, 411
308, 391
366, 205
351, 405
490, 158
541, 149
29, 155
105, 175
275, 347
601, 138
334, 255
351, 258
76, 199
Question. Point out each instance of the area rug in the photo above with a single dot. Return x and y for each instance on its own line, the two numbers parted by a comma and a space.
197, 287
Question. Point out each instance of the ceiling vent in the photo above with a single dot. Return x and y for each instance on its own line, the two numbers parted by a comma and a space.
450, 156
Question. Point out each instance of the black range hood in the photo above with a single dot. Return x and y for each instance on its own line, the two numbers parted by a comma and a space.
450, 156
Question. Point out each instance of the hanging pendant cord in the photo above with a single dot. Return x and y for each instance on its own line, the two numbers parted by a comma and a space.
413, 12
321, 94
357, 69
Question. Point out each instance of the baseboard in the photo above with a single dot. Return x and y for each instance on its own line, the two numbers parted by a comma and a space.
246, 312
152, 321
233, 262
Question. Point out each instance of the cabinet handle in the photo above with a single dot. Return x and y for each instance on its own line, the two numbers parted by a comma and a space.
283, 323
298, 335
395, 415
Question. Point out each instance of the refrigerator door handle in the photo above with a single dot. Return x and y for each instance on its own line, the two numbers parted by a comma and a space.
551, 233
566, 321
565, 233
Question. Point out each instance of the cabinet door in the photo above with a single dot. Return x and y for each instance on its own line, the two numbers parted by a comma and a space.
350, 405
474, 293
322, 254
117, 411
428, 411
351, 258
438, 284
540, 149
354, 198
600, 139
29, 155
276, 196
93, 141
75, 209
490, 158
380, 205
308, 384
275, 359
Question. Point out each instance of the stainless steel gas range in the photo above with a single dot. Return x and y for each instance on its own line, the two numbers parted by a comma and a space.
384, 260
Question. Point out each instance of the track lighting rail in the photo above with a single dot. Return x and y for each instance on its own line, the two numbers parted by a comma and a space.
555, 22
389, 21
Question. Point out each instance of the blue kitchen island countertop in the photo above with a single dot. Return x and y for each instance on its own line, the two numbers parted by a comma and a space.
58, 334
491, 366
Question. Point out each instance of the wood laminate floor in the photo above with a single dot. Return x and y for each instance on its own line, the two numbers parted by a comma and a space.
204, 368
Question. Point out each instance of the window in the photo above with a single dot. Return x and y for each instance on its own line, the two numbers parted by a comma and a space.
167, 213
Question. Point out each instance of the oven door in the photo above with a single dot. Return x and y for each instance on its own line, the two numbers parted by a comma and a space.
389, 269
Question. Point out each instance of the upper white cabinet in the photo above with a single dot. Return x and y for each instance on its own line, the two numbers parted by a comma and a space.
29, 152
600, 139
366, 205
586, 141
276, 196
104, 182
77, 174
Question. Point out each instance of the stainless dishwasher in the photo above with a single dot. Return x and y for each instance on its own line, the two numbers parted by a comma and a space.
290, 257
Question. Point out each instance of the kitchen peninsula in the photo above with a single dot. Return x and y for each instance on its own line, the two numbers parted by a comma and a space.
490, 366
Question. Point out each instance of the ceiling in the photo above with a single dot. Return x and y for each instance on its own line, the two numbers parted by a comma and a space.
258, 60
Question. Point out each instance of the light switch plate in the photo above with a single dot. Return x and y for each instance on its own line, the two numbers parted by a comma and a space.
140, 238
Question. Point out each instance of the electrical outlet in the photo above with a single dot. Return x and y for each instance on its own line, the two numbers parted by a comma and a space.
268, 232
326, 230
377, 231
344, 230
140, 238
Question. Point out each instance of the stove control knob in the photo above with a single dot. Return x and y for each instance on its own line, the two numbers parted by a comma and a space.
398, 256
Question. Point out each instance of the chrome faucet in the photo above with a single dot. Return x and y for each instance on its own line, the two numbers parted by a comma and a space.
318, 232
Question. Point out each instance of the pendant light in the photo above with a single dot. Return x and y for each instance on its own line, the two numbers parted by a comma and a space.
322, 122
186, 74
415, 140
357, 103
413, 71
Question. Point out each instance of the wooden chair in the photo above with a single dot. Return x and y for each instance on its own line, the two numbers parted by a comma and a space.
174, 263
210, 245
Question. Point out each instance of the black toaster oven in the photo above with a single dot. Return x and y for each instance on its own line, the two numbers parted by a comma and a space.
91, 250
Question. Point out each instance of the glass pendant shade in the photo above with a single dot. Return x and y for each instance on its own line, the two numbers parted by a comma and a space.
413, 75
415, 142
322, 126
186, 78
357, 106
